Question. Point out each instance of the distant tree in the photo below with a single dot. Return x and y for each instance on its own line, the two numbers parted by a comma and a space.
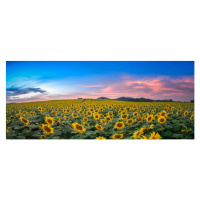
192, 101
102, 98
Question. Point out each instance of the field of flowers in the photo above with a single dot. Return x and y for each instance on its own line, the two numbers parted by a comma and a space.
99, 119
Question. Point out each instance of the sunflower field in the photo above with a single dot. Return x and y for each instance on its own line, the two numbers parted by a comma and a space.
99, 119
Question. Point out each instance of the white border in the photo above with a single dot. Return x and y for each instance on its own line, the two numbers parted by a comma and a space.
99, 30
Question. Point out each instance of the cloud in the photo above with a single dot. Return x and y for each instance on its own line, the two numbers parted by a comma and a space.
156, 87
15, 91
161, 87
18, 94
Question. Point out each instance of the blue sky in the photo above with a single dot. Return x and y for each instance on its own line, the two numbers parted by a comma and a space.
45, 80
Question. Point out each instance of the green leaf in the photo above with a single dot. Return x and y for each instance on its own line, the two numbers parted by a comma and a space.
168, 127
189, 136
178, 136
167, 134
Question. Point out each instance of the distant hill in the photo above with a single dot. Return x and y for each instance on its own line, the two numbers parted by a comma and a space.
137, 99
141, 99
103, 98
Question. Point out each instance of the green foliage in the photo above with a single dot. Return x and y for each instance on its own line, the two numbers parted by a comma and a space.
177, 126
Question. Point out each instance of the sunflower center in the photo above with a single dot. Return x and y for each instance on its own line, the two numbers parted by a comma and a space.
24, 120
137, 134
119, 125
49, 121
79, 127
47, 129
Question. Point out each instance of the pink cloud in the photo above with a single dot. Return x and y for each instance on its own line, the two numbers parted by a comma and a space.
161, 87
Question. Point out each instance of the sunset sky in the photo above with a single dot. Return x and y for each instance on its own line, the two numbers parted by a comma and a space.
28, 81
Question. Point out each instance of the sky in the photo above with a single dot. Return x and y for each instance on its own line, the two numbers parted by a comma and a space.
28, 81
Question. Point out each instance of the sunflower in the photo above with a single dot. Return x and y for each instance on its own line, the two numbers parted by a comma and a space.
161, 120
49, 120
32, 113
103, 121
78, 127
40, 108
92, 109
117, 136
169, 114
142, 110
47, 129
124, 116
137, 134
74, 115
151, 126
192, 117
85, 124
18, 115
54, 113
108, 118
7, 131
163, 113
155, 136
100, 138
96, 116
26, 121
110, 113
186, 113
186, 131
139, 119
119, 125
85, 119
43, 136
129, 121
149, 118
128, 109
135, 114
143, 137
98, 127
144, 130
89, 113
179, 112
101, 116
